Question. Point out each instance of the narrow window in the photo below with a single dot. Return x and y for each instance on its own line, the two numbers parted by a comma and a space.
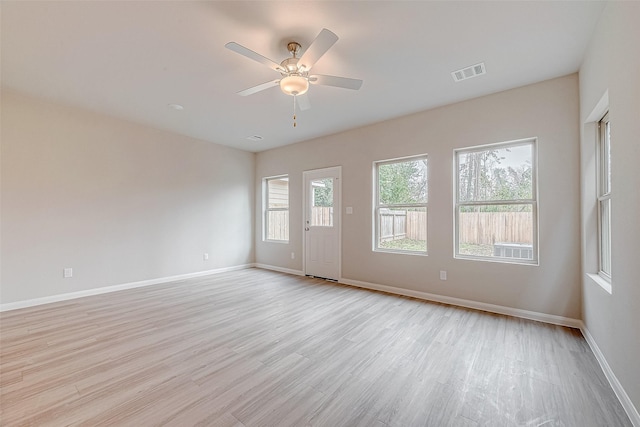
276, 216
604, 197
496, 202
401, 205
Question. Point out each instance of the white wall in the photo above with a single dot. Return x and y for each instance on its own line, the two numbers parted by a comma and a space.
548, 110
612, 64
116, 201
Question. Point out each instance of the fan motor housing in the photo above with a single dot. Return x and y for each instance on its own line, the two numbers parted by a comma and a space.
291, 65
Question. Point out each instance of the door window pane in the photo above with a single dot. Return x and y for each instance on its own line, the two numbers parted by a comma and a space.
322, 202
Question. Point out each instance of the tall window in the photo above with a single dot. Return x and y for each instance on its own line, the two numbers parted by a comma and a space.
496, 202
401, 205
604, 197
276, 216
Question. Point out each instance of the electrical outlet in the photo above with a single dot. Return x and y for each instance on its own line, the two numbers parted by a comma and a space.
67, 272
443, 275
205, 256
293, 255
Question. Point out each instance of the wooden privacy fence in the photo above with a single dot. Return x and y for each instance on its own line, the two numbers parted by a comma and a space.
393, 225
277, 225
278, 222
479, 228
322, 216
417, 225
400, 224
487, 228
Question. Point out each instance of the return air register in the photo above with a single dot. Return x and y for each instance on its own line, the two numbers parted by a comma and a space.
469, 72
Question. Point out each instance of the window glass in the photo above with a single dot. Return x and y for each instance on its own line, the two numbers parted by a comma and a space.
276, 222
401, 205
498, 174
403, 182
322, 203
604, 198
504, 231
496, 207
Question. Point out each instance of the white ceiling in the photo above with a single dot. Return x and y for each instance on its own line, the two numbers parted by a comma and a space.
132, 59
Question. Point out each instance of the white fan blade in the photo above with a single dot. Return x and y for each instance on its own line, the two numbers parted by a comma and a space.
258, 88
303, 101
317, 48
343, 82
237, 48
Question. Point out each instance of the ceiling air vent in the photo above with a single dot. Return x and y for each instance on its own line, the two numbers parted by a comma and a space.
254, 138
469, 72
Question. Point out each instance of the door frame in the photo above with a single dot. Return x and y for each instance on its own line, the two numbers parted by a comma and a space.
337, 171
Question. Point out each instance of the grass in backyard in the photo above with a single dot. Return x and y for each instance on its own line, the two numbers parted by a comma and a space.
476, 250
405, 245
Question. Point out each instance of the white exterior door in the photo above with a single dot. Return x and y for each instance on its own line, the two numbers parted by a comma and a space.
322, 222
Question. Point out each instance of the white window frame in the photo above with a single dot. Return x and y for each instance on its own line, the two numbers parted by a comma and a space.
533, 202
378, 205
266, 209
604, 198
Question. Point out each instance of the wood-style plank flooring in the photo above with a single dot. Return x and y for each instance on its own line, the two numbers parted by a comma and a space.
259, 348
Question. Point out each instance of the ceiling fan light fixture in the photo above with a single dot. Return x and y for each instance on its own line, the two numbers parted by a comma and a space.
294, 85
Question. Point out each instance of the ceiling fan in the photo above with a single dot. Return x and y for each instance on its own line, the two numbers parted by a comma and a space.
294, 71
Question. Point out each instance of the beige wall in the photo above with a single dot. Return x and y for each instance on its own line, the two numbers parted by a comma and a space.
612, 64
117, 202
547, 110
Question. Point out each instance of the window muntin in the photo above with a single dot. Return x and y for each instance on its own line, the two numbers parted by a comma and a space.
401, 205
276, 218
496, 202
604, 198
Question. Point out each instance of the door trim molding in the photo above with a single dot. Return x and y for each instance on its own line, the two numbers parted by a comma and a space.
337, 170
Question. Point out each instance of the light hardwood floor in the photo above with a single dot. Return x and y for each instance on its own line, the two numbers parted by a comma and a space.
258, 348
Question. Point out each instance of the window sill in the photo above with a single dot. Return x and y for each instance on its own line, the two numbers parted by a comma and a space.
286, 242
601, 282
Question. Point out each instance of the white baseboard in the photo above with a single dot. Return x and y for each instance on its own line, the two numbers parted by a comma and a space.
492, 308
106, 289
280, 269
623, 397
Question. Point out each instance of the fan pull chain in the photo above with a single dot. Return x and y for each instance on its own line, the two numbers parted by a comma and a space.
294, 111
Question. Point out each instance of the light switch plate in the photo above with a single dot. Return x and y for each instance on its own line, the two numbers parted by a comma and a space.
67, 272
